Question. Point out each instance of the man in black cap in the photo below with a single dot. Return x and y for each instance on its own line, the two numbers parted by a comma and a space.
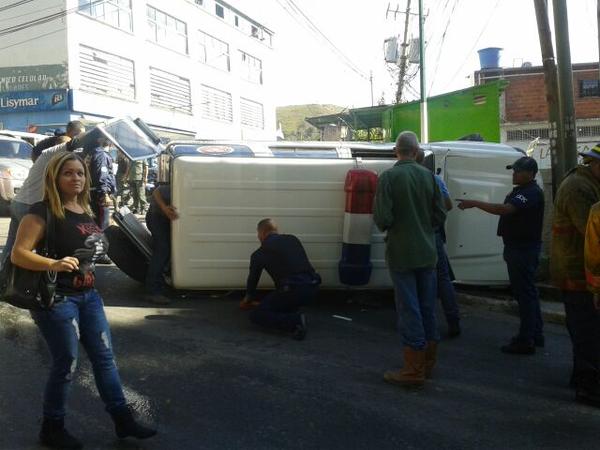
520, 226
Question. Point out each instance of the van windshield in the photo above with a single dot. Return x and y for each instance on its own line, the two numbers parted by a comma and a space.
125, 135
15, 150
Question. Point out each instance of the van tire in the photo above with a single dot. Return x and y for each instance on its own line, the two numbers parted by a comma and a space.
125, 254
4, 208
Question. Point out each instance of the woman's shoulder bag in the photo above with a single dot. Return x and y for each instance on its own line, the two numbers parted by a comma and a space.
30, 289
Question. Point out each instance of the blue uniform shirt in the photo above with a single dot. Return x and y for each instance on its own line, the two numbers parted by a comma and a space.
101, 172
284, 259
524, 226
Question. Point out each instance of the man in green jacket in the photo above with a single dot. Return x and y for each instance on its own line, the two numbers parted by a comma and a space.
577, 193
409, 207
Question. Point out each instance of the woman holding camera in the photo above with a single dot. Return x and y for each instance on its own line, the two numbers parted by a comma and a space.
78, 312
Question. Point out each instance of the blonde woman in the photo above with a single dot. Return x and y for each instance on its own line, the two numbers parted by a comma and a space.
78, 314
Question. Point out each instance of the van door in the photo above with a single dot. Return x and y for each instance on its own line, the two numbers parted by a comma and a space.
474, 249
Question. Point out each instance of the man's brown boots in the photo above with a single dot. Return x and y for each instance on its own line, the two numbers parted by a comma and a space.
412, 375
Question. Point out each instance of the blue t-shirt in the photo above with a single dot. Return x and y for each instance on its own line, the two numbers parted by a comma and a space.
524, 226
442, 186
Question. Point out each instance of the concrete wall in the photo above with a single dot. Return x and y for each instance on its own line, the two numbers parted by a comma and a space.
63, 39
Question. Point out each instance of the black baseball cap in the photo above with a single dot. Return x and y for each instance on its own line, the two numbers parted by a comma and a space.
524, 164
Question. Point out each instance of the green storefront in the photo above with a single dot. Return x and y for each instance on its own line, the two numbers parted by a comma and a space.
474, 110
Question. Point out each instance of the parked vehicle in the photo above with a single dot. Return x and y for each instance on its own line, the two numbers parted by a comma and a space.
32, 138
15, 162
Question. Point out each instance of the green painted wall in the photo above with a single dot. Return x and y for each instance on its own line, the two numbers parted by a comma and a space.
451, 116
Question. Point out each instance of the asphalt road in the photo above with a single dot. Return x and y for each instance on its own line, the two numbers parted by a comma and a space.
210, 380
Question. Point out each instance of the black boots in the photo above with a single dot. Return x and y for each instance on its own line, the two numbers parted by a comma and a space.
125, 425
55, 435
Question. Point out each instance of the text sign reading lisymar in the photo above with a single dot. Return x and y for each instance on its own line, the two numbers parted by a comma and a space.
28, 101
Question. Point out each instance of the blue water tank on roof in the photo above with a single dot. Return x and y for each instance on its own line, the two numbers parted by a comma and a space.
489, 58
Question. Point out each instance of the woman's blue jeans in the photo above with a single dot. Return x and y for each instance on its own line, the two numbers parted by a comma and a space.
78, 318
415, 293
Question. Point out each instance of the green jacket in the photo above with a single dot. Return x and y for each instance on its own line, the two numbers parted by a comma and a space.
576, 195
409, 206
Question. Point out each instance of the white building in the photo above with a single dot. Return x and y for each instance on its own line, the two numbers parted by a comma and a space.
188, 68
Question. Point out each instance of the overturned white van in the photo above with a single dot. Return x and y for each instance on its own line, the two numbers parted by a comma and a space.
222, 189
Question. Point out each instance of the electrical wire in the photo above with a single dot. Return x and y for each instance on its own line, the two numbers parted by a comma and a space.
14, 5
30, 13
32, 39
348, 60
485, 25
299, 16
437, 61
44, 19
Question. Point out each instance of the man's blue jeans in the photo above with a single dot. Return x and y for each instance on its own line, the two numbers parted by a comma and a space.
415, 293
522, 263
75, 318
160, 227
445, 288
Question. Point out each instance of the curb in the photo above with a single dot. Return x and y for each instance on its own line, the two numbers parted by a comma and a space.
552, 312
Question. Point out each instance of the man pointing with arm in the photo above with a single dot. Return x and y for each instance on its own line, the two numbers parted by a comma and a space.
520, 226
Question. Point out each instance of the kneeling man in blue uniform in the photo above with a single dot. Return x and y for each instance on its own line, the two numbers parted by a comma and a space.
296, 282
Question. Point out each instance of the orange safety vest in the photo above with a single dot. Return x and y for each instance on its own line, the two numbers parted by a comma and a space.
592, 250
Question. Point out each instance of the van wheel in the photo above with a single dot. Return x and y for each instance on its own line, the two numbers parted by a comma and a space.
4, 208
125, 254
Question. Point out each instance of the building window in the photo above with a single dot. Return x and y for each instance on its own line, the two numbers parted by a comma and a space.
252, 114
589, 88
106, 74
166, 30
170, 91
214, 52
116, 13
216, 104
251, 68
219, 10
236, 21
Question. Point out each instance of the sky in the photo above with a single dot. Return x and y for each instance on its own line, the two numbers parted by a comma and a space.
306, 69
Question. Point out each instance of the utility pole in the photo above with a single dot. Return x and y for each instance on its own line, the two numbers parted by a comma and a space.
565, 85
424, 119
551, 85
403, 57
371, 81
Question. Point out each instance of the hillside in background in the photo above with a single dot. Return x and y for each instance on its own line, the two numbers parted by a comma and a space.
293, 124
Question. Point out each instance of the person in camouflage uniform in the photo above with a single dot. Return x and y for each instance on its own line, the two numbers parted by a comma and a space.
138, 173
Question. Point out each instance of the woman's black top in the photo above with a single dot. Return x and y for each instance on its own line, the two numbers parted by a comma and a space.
76, 235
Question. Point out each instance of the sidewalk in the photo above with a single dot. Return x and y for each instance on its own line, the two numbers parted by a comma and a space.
552, 308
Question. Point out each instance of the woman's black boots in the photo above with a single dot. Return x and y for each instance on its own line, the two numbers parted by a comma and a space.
125, 425
55, 435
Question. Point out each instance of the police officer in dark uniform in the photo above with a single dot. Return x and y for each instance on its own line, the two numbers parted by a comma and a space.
102, 181
520, 226
296, 282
